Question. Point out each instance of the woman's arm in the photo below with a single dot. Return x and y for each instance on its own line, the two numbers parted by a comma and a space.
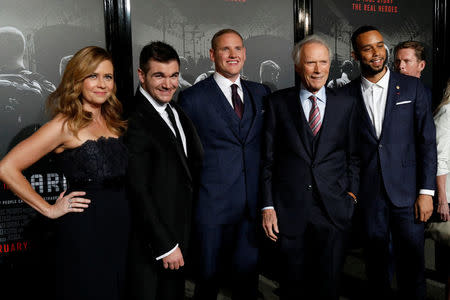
49, 137
442, 197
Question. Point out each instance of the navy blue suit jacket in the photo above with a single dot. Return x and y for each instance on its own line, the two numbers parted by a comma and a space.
404, 156
229, 178
293, 176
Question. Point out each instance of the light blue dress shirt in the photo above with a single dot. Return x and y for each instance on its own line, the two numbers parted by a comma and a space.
321, 97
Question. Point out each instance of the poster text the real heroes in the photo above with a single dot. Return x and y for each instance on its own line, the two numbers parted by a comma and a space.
380, 6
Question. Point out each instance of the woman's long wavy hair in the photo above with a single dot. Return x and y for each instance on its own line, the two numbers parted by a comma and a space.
445, 97
66, 100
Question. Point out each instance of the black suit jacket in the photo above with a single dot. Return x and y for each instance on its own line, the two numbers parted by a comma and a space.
162, 180
292, 175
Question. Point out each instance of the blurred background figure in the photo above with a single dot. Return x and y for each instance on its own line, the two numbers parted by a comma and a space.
22, 92
346, 75
269, 73
63, 63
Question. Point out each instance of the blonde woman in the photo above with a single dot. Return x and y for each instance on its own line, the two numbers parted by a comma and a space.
92, 215
441, 231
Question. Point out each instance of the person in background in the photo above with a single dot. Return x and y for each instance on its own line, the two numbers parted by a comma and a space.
409, 59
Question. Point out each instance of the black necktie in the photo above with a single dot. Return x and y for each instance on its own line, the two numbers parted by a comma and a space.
174, 125
237, 102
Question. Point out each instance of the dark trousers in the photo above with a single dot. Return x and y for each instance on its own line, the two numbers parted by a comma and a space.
383, 221
230, 249
149, 280
311, 263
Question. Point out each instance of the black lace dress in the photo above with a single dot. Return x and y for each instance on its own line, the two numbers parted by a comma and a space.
92, 245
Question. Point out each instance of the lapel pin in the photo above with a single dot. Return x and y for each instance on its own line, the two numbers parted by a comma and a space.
397, 87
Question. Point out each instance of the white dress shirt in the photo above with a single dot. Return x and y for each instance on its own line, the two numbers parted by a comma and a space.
225, 86
161, 109
375, 96
442, 121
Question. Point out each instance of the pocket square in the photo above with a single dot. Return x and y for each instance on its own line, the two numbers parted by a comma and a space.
403, 102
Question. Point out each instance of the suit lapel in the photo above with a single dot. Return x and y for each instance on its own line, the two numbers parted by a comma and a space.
362, 107
331, 106
392, 98
298, 116
249, 107
167, 132
222, 106
192, 142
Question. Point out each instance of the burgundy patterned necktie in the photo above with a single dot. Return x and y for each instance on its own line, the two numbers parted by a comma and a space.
314, 116
237, 102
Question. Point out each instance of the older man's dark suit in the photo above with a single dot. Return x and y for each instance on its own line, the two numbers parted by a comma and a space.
306, 179
393, 169
162, 183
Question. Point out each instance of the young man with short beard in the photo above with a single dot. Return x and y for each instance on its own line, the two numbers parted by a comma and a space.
398, 167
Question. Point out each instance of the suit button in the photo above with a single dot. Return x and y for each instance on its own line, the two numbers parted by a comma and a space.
313, 166
380, 146
309, 187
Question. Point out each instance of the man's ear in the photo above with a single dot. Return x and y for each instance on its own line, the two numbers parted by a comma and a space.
211, 54
422, 65
141, 75
355, 56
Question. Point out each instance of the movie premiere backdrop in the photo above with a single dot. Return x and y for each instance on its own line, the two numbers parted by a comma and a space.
397, 20
266, 26
37, 38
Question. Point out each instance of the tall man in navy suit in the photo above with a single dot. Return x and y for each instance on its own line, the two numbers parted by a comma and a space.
227, 113
398, 167
310, 169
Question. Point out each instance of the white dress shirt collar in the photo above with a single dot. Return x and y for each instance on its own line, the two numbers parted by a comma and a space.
383, 82
321, 95
222, 81
225, 86
160, 107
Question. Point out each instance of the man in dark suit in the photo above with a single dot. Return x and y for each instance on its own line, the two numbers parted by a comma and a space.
227, 113
310, 175
165, 157
398, 167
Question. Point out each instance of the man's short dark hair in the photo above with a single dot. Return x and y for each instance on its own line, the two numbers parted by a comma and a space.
357, 32
222, 32
158, 51
418, 48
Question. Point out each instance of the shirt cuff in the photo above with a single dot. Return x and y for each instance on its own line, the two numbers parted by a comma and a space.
167, 253
267, 207
426, 192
